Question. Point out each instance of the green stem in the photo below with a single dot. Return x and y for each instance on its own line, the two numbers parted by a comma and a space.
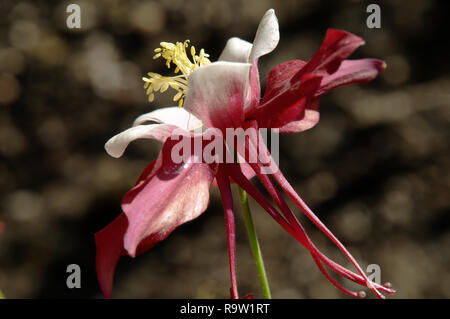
2, 296
254, 244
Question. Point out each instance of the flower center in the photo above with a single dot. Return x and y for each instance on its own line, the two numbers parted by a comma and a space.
176, 54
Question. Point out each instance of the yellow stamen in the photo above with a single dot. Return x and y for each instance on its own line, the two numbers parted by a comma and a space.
176, 54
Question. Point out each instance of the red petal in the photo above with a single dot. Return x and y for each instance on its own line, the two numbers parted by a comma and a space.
227, 200
288, 106
279, 76
336, 47
291, 99
284, 184
109, 247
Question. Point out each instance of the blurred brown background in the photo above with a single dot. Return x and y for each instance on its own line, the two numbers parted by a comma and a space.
375, 169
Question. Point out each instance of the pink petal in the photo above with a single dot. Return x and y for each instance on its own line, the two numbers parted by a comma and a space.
352, 71
172, 195
305, 119
217, 92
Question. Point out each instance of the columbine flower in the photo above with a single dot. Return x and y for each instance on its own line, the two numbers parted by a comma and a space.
216, 96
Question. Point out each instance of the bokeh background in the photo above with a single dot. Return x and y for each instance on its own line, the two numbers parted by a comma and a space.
375, 169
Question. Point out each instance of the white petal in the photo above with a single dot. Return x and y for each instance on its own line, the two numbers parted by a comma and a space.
171, 115
117, 144
267, 36
236, 50
216, 93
